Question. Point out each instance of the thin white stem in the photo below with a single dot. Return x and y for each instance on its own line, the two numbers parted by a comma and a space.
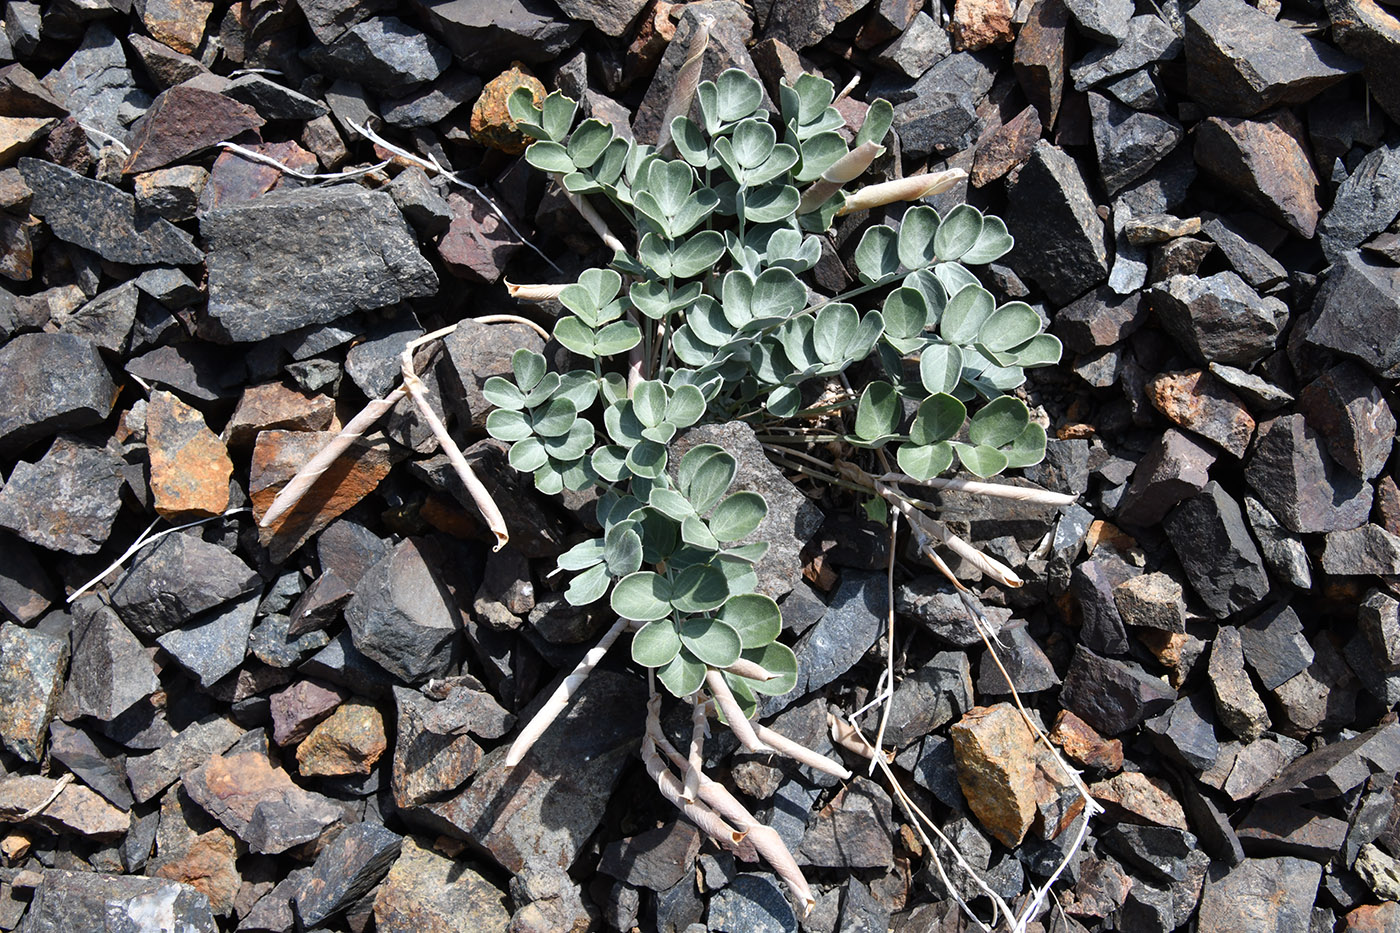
851, 85
746, 668
286, 169
559, 700
512, 319
594, 219
146, 538
889, 648
998, 490
58, 787
710, 823
734, 715
306, 477
107, 136
695, 761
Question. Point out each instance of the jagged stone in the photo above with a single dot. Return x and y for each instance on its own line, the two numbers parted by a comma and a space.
1291, 473
1128, 141
177, 578
68, 500
1112, 696
1274, 646
1351, 414
1265, 161
1051, 204
1218, 319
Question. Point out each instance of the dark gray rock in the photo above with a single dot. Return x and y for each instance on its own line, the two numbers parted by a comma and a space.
730, 27
940, 116
1186, 733
656, 859
1285, 827
752, 903
1382, 684
1254, 263
610, 17
1274, 646
25, 588
1218, 318
1364, 204
271, 100
1369, 549
1241, 60
1358, 313
66, 501
1149, 40
921, 45
77, 752
936, 694
933, 603
346, 870
1367, 30
271, 642
1378, 618
171, 287
102, 218
213, 643
105, 321
1270, 895
1322, 697
175, 579
1221, 561
1164, 188
1283, 552
32, 666
1291, 473
96, 86
1105, 20
854, 830
375, 362
1024, 660
1092, 585
486, 35
1258, 394
1265, 162
426, 106
1128, 141
429, 760
800, 25
1337, 768
85, 900
792, 518
1098, 320
193, 746
852, 622
329, 19
383, 53
303, 256
1112, 696
1153, 600
1164, 855
110, 671
1351, 414
1065, 467
1051, 205
403, 617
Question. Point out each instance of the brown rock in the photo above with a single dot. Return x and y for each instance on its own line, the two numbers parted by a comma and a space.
1042, 56
1137, 798
350, 741
183, 121
177, 23
1173, 650
1005, 148
1265, 160
258, 802
17, 247
995, 754
278, 455
297, 709
978, 24
23, 95
431, 757
477, 244
491, 123
1084, 746
18, 134
1388, 505
1058, 802
235, 179
275, 406
1374, 918
1101, 889
75, 810
1199, 402
425, 892
209, 865
190, 469
655, 31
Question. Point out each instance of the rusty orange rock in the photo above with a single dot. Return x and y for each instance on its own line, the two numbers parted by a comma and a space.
978, 24
349, 741
491, 123
274, 406
1136, 798
1198, 402
190, 468
995, 753
1084, 746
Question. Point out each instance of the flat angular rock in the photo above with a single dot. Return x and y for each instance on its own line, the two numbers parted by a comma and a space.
1323, 696
752, 903
271, 100
430, 758
937, 606
1265, 161
101, 218
425, 892
1368, 31
517, 815
1369, 549
1351, 414
72, 900
1242, 60
1112, 696
177, 578
938, 692
1291, 473
383, 53
76, 810
1338, 767
23, 95
1084, 745
840, 638
1024, 659
1128, 141
918, 47
182, 121
106, 320
403, 617
110, 671
1051, 204
26, 590
50, 382
307, 256
1153, 600
153, 773
190, 468
1274, 646
1149, 39
656, 859
1175, 467
1221, 561
1137, 798
32, 666
66, 501
1186, 733
1041, 57
213, 643
730, 27
165, 66
1197, 401
1105, 20
478, 244
95, 85
346, 870
485, 34
1378, 617
1270, 895
1092, 584
852, 831
349, 741
1365, 204
1218, 318
258, 802
940, 117
1358, 312
1236, 701
297, 709
276, 406
995, 753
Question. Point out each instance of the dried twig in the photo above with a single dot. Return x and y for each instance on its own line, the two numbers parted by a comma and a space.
534, 292
286, 169
695, 761
34, 811
889, 652
800, 753
146, 538
997, 490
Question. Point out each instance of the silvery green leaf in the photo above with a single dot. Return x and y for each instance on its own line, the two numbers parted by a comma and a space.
608, 169
579, 183
705, 478
610, 462
671, 504
814, 95
655, 255
690, 142
621, 423
693, 212
1011, 325
927, 283
772, 203
751, 143
656, 644
1027, 449
558, 115
993, 242
711, 640
940, 367
940, 417
670, 183
737, 516
966, 312
795, 337
877, 255
1040, 350
832, 329
503, 394
699, 588
697, 254
572, 445
754, 616
529, 368
661, 433
548, 480
999, 379
906, 312
579, 387
685, 406
980, 460
617, 337
576, 336
783, 401
622, 549
775, 658
958, 232
770, 364
878, 119
683, 676
527, 455
708, 96
521, 105
924, 461
614, 388
954, 277
543, 390
696, 533
742, 688
550, 157
916, 236
647, 459
819, 153
506, 425
579, 474
738, 571
554, 418
588, 587
737, 95
649, 402
588, 142
583, 555
751, 553
642, 597
690, 349
999, 422
660, 536
790, 249
878, 412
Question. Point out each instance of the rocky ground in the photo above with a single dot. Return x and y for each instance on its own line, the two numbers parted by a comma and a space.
304, 727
